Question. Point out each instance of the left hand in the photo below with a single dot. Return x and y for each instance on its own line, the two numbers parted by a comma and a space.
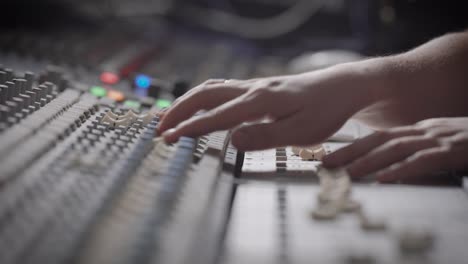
408, 152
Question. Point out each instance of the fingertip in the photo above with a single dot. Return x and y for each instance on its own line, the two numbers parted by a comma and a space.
162, 112
171, 116
170, 136
329, 161
251, 138
354, 172
240, 139
164, 123
158, 131
336, 159
385, 176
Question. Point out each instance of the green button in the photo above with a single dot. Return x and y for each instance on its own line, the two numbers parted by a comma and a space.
132, 104
98, 91
162, 103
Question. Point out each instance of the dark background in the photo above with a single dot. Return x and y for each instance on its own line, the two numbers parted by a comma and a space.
370, 27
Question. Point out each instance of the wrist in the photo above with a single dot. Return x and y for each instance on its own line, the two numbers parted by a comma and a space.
365, 82
377, 78
360, 84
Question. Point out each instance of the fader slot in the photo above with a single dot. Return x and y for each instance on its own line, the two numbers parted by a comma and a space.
97, 183
28, 150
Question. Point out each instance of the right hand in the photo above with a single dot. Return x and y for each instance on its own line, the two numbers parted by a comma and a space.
301, 109
408, 153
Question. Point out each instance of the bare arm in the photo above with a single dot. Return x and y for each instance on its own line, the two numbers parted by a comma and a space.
426, 82
429, 81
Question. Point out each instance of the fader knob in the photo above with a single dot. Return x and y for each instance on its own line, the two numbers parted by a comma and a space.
9, 74
20, 85
54, 73
10, 91
3, 93
29, 77
3, 77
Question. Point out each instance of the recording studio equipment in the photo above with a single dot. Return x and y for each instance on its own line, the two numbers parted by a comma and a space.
85, 177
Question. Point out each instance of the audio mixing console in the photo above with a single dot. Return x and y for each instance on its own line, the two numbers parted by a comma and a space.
84, 177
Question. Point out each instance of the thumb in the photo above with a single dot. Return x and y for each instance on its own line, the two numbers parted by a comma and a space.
263, 135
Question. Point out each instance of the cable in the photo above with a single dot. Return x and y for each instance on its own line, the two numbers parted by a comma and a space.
252, 28
222, 21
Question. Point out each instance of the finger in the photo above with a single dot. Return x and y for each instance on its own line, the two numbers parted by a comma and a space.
459, 139
442, 132
204, 99
161, 113
420, 163
458, 147
389, 153
264, 135
198, 88
228, 115
357, 149
223, 117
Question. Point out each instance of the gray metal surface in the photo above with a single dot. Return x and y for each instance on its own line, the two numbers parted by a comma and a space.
263, 231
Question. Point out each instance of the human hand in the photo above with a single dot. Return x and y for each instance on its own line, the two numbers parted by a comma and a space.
409, 152
301, 109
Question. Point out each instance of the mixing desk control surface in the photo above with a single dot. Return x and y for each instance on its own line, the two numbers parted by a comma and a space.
89, 182
84, 177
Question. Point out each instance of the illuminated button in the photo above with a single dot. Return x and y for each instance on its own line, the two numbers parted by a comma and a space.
132, 104
98, 91
142, 81
109, 78
116, 95
163, 103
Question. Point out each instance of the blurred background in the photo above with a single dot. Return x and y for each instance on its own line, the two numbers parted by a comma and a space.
77, 162
370, 26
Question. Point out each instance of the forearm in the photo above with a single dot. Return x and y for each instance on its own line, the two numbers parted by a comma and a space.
432, 77
362, 83
429, 81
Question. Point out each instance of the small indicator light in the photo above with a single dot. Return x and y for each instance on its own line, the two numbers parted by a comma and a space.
162, 103
109, 78
142, 81
98, 91
116, 95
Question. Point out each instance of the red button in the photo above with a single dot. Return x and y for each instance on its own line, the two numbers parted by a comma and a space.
109, 78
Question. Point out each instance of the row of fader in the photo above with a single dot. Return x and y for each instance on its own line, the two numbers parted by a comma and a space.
125, 120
